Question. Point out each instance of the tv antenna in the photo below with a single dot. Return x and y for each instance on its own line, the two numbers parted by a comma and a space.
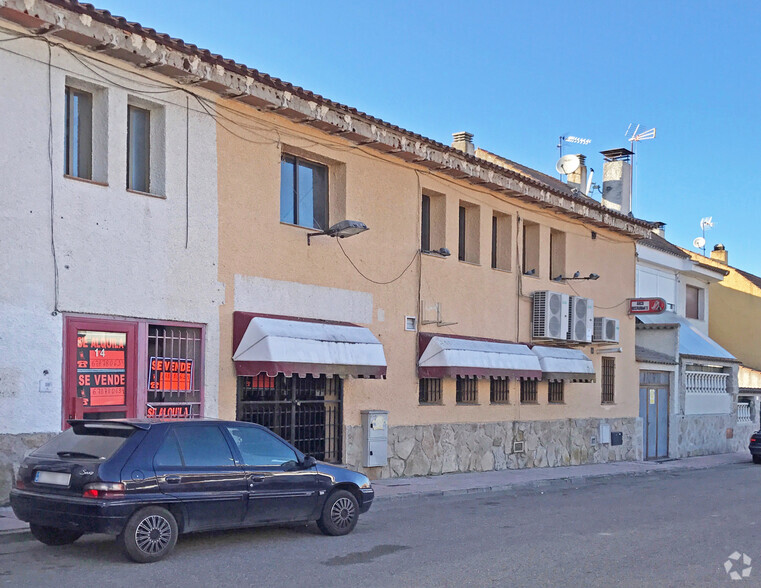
633, 137
569, 139
700, 242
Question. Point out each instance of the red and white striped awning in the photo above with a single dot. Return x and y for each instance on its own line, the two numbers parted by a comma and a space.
293, 346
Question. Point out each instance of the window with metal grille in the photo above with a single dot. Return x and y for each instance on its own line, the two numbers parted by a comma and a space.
608, 380
528, 392
175, 371
555, 392
430, 391
307, 412
303, 193
499, 391
467, 390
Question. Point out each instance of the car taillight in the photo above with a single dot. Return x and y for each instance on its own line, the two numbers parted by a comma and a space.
104, 490
752, 439
20, 484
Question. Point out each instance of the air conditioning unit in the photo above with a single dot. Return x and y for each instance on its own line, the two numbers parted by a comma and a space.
606, 330
550, 315
580, 319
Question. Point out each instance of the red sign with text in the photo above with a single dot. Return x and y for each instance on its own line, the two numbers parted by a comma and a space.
101, 371
170, 375
646, 305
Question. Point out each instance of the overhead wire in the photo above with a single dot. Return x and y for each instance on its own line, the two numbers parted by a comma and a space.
359, 271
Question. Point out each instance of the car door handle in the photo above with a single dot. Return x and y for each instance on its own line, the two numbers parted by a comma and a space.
172, 479
257, 478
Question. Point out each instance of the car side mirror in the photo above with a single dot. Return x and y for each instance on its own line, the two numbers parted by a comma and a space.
308, 462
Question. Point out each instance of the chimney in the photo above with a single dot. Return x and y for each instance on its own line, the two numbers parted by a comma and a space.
578, 178
720, 254
463, 141
617, 180
659, 229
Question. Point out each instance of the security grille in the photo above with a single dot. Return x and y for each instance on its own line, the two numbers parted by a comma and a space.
608, 380
430, 391
467, 390
174, 389
305, 411
528, 392
499, 391
555, 393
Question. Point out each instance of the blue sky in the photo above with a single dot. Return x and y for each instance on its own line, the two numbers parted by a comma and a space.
519, 74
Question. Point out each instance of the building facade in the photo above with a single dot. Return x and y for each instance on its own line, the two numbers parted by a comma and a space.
108, 180
187, 239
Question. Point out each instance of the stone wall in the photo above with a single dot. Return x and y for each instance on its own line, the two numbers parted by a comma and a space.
422, 450
707, 435
13, 448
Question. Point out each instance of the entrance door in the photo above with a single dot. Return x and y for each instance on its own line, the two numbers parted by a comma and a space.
654, 410
100, 368
306, 412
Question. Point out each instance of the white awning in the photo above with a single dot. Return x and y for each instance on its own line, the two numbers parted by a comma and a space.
302, 347
454, 356
559, 363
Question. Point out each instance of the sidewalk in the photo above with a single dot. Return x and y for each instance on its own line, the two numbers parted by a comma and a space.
391, 489
449, 484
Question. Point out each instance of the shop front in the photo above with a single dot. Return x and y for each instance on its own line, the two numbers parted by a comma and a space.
116, 368
291, 373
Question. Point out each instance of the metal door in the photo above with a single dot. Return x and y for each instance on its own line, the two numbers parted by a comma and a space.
307, 412
654, 404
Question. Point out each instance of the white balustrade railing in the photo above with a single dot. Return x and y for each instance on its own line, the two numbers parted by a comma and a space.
743, 413
706, 382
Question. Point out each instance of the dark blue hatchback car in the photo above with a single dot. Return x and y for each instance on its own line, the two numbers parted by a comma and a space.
148, 481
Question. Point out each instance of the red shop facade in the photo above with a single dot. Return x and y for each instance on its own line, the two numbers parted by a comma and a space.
132, 368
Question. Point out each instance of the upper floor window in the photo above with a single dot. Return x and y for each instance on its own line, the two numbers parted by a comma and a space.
693, 307
557, 253
78, 133
501, 240
468, 232
432, 213
530, 257
138, 149
303, 193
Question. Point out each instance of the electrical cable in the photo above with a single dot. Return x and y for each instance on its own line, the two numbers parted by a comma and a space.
359, 271
187, 170
52, 182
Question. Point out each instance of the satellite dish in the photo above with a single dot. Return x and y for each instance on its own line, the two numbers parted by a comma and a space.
699, 243
568, 164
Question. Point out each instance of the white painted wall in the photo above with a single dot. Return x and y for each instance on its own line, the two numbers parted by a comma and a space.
118, 253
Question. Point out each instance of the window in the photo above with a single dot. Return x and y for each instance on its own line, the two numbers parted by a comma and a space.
557, 253
138, 149
432, 221
175, 371
501, 237
467, 390
303, 193
528, 392
530, 257
425, 224
468, 233
608, 380
430, 391
499, 391
169, 452
260, 448
78, 134
694, 303
203, 446
555, 392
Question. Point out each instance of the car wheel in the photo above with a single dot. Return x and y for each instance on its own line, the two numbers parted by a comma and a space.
340, 513
54, 536
149, 535
757, 459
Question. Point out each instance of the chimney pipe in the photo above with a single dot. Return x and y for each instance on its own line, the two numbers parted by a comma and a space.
720, 254
578, 178
659, 229
463, 141
617, 180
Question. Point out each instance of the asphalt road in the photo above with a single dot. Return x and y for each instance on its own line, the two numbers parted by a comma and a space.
672, 529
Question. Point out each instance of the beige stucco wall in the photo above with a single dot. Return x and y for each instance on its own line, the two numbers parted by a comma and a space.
385, 194
735, 314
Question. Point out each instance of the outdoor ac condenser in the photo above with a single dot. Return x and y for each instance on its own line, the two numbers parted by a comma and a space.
580, 319
550, 315
606, 330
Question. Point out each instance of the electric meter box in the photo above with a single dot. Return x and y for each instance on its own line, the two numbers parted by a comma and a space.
375, 428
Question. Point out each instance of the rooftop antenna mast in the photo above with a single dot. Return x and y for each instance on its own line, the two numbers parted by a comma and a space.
700, 242
569, 139
633, 138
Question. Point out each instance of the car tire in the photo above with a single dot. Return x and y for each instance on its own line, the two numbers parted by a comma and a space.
149, 535
53, 535
339, 514
757, 459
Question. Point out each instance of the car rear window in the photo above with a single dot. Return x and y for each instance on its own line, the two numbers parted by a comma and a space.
87, 441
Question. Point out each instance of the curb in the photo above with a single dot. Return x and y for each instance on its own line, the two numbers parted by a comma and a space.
551, 482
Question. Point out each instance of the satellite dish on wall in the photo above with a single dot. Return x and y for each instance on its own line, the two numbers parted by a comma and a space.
699, 243
568, 164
